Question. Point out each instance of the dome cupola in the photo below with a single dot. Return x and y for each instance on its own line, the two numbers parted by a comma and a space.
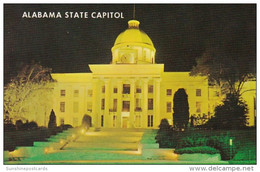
133, 46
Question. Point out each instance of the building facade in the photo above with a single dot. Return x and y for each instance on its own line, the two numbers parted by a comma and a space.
133, 91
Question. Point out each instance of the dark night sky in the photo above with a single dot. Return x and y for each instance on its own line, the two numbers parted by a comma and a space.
180, 34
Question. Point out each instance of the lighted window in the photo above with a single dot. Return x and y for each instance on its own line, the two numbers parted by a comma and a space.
126, 106
103, 89
75, 107
90, 92
138, 105
169, 107
198, 107
150, 89
115, 90
169, 92
114, 105
102, 104
102, 120
198, 92
76, 93
150, 104
150, 121
138, 90
62, 92
62, 106
126, 88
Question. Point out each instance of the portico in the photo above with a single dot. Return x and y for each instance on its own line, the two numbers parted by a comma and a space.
126, 100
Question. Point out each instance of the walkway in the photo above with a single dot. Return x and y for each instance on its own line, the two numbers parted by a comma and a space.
108, 146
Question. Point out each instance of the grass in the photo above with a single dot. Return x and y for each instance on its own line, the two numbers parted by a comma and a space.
247, 150
245, 140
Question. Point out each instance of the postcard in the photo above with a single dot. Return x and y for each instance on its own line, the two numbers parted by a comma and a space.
130, 84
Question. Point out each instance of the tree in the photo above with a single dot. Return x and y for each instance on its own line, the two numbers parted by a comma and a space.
52, 121
28, 95
229, 58
32, 125
19, 125
229, 70
181, 109
164, 134
230, 115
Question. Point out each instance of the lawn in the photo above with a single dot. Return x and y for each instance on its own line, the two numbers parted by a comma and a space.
247, 145
243, 140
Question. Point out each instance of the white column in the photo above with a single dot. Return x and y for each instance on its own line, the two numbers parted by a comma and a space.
107, 120
96, 104
119, 102
156, 102
132, 103
145, 103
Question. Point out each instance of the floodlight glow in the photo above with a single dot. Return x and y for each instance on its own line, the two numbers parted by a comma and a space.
83, 131
62, 142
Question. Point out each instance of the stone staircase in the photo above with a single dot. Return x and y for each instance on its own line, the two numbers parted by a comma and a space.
105, 145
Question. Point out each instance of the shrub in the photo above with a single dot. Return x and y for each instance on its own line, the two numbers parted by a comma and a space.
52, 120
65, 126
32, 125
19, 125
230, 115
9, 127
175, 137
200, 149
222, 144
164, 134
192, 141
26, 125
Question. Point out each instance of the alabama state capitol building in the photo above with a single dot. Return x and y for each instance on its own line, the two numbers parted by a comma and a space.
133, 91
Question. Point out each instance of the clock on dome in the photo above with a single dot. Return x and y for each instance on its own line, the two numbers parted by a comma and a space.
127, 58
133, 46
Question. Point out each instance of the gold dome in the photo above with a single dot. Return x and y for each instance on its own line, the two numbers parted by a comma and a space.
133, 36
133, 46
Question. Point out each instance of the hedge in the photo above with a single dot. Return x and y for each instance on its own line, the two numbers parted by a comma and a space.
200, 149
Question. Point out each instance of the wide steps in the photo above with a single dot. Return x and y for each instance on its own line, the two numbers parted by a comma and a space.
103, 144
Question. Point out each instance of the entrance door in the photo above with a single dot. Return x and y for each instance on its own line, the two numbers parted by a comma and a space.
124, 122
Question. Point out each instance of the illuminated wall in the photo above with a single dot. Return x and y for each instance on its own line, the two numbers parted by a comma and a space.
133, 91
249, 96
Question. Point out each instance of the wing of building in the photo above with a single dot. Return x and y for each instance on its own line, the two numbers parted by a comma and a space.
133, 91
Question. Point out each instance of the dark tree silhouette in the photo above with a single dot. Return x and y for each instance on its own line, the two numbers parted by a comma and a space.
227, 70
181, 109
32, 125
52, 121
164, 133
230, 115
19, 125
9, 126
86, 121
